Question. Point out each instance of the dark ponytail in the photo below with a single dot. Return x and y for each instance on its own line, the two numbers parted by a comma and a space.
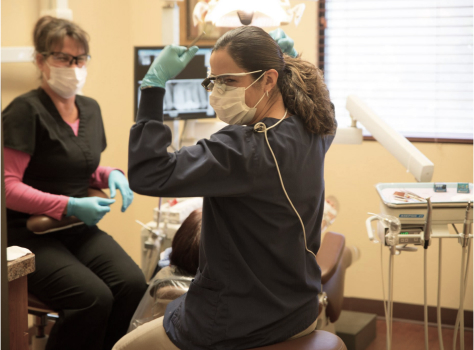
300, 83
305, 94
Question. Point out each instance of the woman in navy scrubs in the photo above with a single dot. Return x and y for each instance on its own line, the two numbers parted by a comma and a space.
53, 140
262, 179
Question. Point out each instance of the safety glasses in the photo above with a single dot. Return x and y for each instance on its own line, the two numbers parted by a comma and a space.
220, 79
66, 60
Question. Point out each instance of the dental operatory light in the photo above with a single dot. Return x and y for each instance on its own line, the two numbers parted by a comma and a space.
260, 13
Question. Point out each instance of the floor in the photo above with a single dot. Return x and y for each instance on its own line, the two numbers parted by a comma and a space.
411, 336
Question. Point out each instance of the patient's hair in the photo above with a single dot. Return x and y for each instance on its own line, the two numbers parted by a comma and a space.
50, 32
185, 245
301, 84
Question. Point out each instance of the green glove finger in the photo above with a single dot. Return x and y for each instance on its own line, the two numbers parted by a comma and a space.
286, 44
188, 55
180, 50
105, 202
277, 34
112, 190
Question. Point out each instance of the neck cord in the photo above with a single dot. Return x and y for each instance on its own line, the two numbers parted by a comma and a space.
261, 127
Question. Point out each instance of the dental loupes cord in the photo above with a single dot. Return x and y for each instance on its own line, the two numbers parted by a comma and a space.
438, 305
261, 127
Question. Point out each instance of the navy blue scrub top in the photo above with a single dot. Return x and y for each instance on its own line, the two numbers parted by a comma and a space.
256, 284
61, 162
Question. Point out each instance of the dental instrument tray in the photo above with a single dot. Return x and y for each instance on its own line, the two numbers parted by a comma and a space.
448, 207
449, 199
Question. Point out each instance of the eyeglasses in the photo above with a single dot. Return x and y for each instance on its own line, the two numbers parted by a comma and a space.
66, 60
220, 79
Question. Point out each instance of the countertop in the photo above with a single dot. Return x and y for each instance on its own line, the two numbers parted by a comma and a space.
21, 267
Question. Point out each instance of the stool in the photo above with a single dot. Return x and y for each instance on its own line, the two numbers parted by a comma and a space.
317, 340
42, 313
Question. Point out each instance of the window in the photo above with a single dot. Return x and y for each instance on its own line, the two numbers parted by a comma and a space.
411, 61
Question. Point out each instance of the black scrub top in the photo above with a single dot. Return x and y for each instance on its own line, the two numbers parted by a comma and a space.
256, 284
61, 163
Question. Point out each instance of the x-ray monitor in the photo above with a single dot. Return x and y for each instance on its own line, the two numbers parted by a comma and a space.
185, 98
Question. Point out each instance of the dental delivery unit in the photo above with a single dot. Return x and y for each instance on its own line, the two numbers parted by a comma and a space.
413, 214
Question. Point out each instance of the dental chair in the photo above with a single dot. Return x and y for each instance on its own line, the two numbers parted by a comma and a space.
41, 224
333, 258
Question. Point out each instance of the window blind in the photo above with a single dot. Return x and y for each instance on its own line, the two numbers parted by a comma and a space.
411, 61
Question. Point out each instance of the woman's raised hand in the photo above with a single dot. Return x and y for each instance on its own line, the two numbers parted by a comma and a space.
118, 181
286, 43
170, 62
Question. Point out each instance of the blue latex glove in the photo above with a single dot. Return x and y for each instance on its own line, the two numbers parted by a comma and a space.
89, 210
169, 63
117, 180
286, 43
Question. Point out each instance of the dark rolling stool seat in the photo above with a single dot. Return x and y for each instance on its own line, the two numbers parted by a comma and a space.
42, 313
317, 340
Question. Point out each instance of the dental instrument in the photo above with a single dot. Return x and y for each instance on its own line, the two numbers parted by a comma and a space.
426, 244
464, 240
195, 40
152, 246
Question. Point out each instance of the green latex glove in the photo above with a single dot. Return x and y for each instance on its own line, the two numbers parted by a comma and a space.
118, 181
286, 43
169, 63
89, 210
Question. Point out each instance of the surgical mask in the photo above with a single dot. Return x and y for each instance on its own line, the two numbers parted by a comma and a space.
229, 104
66, 81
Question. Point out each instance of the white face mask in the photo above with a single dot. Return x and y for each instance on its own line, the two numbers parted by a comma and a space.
229, 104
65, 81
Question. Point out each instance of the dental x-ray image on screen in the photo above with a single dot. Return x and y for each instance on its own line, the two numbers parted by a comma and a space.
185, 98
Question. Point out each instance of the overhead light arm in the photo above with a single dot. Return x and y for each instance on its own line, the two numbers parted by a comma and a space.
403, 150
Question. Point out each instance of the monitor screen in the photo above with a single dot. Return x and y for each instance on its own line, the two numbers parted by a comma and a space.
185, 98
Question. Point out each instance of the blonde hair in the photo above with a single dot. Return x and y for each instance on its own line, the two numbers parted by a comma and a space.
50, 32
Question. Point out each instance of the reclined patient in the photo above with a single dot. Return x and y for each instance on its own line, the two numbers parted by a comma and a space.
174, 280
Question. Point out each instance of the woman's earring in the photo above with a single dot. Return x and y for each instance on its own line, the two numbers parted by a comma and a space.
267, 93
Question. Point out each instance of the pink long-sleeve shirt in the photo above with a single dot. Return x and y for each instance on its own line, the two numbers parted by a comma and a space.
26, 199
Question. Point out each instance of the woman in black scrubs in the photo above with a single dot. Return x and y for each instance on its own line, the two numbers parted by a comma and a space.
262, 179
81, 272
